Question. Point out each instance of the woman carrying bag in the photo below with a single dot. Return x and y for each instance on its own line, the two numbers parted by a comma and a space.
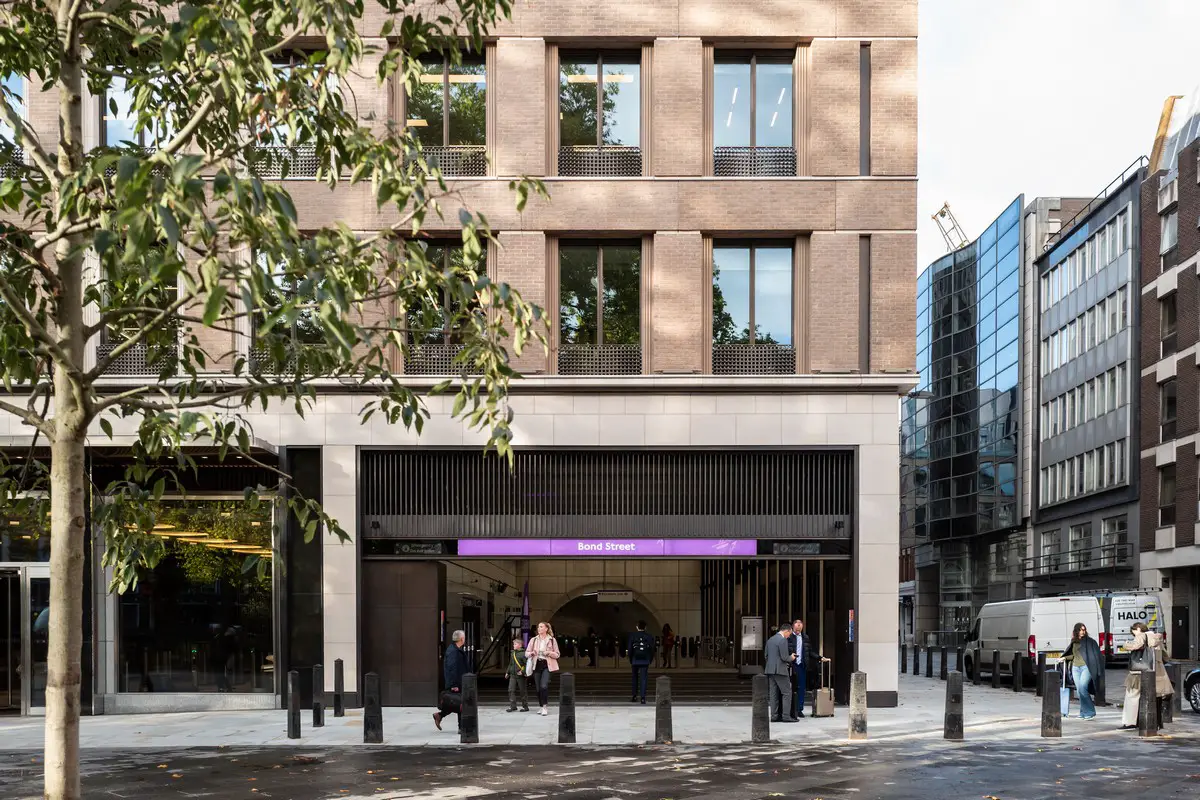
1145, 653
1085, 665
542, 654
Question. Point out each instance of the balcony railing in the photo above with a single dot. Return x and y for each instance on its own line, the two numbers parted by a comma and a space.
772, 162
432, 359
460, 159
137, 360
609, 161
301, 162
753, 359
1106, 556
12, 162
600, 359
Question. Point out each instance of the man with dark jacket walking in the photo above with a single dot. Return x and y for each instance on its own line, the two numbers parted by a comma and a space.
641, 656
454, 666
778, 670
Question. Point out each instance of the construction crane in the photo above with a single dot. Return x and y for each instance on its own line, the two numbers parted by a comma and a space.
952, 232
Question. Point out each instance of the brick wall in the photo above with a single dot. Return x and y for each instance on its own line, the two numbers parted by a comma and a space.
521, 107
833, 301
894, 107
833, 110
677, 313
1185, 494
679, 122
893, 301
521, 263
1148, 504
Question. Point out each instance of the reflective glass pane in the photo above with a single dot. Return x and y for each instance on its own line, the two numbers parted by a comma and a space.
118, 115
14, 94
577, 101
622, 294
731, 105
425, 106
773, 295
731, 295
577, 294
622, 102
468, 103
773, 112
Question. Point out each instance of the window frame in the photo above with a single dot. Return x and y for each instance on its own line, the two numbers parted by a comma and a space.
1166, 511
753, 247
447, 332
1168, 334
736, 57
580, 55
1168, 393
599, 246
1168, 222
473, 59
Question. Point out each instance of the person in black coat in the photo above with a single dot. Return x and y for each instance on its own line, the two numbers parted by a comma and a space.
454, 666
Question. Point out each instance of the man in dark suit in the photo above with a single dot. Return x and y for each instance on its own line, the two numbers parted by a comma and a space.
454, 666
640, 648
778, 670
805, 660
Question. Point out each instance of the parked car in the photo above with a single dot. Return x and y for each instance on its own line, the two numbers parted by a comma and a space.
1033, 626
1191, 689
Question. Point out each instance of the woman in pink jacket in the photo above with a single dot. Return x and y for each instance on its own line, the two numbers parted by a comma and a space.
542, 654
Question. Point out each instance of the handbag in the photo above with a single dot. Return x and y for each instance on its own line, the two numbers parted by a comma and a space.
1142, 660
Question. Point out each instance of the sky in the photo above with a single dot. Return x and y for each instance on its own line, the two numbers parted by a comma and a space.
1045, 97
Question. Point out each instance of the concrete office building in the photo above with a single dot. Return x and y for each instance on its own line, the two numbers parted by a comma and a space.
967, 429
1170, 381
712, 436
1085, 518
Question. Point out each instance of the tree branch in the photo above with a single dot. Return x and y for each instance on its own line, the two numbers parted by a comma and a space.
40, 424
35, 330
28, 140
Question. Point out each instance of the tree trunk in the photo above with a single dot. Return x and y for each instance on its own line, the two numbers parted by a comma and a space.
67, 538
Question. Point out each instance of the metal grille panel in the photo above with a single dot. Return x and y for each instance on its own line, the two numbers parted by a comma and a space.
136, 360
779, 162
601, 359
453, 494
613, 161
463, 159
12, 162
753, 359
301, 162
432, 359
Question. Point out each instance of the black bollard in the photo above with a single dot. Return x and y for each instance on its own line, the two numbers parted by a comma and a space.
468, 717
958, 660
916, 659
1041, 670
903, 659
318, 696
293, 719
858, 705
663, 730
952, 725
1177, 674
928, 662
566, 708
976, 675
372, 710
1051, 710
339, 689
1147, 706
995, 669
1018, 672
760, 710
944, 667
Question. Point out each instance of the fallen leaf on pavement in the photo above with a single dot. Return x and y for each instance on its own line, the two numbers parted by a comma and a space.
162, 766
176, 775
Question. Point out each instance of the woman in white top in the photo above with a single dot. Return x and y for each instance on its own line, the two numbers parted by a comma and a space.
542, 659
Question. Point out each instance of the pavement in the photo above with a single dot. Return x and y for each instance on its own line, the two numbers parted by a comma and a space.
247, 755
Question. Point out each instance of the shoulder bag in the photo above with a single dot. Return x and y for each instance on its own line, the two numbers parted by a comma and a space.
1142, 660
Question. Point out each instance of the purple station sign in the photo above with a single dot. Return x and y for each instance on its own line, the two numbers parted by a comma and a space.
606, 548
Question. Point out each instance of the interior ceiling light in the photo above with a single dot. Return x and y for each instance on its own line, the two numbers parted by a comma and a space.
774, 117
782, 92
582, 79
465, 78
163, 526
617, 77
733, 101
418, 123
184, 535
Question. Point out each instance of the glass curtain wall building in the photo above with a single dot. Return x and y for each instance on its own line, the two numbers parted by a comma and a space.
960, 432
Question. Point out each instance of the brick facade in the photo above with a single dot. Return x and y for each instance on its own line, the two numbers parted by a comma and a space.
834, 302
677, 302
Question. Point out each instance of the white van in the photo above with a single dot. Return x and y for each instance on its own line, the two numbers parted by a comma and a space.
1037, 625
1122, 609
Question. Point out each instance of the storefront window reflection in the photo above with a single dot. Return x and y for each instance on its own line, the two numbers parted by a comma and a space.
201, 620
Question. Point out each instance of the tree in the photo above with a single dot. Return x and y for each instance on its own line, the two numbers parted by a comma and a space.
145, 243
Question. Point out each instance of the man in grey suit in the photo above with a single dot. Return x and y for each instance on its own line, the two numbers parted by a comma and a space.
779, 673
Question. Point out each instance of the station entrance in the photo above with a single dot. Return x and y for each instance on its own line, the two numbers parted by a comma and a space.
712, 549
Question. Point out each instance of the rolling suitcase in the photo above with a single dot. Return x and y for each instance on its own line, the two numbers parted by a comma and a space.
823, 698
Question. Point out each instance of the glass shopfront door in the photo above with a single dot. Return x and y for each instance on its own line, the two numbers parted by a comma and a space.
24, 638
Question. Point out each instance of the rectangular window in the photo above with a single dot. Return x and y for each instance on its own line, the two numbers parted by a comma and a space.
1166, 495
1120, 458
1123, 224
1089, 471
14, 93
600, 290
1080, 545
1114, 315
1051, 557
752, 116
1070, 398
1110, 464
1167, 409
119, 120
1101, 396
1122, 394
1090, 413
1167, 323
447, 113
1169, 231
1113, 241
752, 310
599, 112
1114, 398
433, 338
1114, 541
1078, 487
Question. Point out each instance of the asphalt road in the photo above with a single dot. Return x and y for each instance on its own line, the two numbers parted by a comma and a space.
1112, 766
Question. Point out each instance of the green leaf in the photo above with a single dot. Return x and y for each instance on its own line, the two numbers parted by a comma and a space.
214, 304
170, 226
